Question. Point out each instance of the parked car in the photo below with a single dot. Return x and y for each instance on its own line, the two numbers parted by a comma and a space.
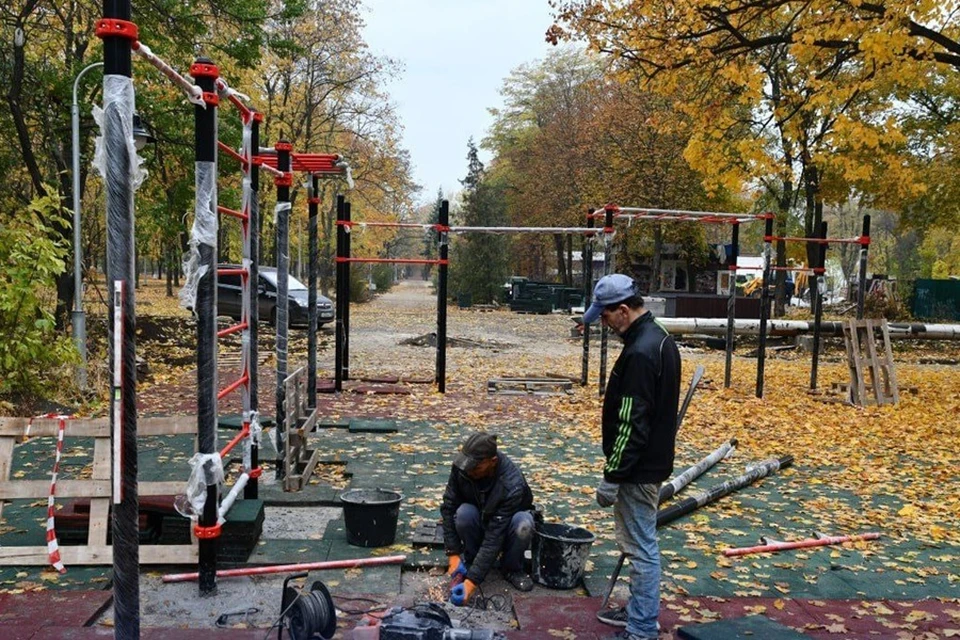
229, 298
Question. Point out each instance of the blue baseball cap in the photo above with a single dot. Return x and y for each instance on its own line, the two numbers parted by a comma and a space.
610, 289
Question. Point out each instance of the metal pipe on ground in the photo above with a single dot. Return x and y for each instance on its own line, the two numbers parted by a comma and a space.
718, 327
284, 568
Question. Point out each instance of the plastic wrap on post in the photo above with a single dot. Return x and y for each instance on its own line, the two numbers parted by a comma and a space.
118, 93
206, 470
280, 206
204, 231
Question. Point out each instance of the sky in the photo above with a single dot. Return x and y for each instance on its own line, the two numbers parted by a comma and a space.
455, 54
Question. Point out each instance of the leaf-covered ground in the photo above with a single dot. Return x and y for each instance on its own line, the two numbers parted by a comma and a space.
892, 469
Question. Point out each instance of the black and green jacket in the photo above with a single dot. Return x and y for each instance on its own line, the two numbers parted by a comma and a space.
640, 405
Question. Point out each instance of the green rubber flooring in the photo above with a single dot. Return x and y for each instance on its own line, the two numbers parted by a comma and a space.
414, 459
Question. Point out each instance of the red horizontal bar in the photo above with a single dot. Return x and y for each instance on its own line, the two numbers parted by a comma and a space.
395, 260
240, 436
232, 272
245, 111
234, 329
230, 152
233, 212
233, 386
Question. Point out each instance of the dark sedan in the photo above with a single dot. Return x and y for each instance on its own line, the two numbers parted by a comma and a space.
229, 298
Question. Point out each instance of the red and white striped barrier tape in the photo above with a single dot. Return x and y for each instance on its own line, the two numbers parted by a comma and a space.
53, 547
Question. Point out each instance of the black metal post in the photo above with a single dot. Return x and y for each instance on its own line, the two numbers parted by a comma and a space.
312, 295
444, 221
118, 107
252, 490
764, 302
586, 264
862, 284
732, 303
346, 297
607, 269
205, 139
818, 306
283, 284
341, 300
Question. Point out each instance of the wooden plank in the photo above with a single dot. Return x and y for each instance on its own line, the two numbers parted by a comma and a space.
890, 370
6, 459
874, 366
32, 489
96, 427
310, 466
99, 555
100, 507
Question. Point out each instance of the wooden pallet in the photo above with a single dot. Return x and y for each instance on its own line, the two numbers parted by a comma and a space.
530, 386
873, 379
97, 489
298, 459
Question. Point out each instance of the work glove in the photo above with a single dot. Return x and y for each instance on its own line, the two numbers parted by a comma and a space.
461, 594
455, 565
457, 571
607, 493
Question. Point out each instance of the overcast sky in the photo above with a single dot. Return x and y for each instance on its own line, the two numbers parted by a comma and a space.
456, 54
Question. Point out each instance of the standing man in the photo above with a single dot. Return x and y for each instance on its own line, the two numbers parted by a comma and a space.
639, 433
486, 511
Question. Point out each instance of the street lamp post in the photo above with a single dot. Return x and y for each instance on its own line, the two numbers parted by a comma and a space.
79, 320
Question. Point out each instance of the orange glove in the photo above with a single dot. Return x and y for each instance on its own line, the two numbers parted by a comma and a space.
455, 565
461, 594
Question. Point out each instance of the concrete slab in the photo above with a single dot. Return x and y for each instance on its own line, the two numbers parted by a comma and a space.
298, 523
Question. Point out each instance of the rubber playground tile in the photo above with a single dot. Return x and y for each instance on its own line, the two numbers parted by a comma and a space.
38, 609
381, 389
381, 580
358, 425
234, 421
273, 552
747, 628
553, 617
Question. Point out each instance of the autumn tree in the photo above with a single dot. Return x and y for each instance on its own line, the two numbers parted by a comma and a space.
762, 107
480, 261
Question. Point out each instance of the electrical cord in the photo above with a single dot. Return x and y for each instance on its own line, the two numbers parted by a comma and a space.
282, 613
358, 612
224, 618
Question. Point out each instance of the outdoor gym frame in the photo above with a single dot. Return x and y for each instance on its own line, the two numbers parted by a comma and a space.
122, 175
344, 226
611, 211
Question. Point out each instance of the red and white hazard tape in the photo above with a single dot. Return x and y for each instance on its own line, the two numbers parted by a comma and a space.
53, 547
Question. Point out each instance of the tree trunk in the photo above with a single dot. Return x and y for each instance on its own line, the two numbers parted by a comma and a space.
657, 250
170, 269
561, 261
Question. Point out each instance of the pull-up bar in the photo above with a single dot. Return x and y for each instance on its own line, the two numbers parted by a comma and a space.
679, 215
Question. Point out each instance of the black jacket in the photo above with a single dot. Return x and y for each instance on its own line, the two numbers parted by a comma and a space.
507, 495
640, 405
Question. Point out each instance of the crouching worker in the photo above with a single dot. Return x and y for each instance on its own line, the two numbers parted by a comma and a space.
486, 512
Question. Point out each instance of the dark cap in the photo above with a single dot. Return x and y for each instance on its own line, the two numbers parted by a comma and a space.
476, 448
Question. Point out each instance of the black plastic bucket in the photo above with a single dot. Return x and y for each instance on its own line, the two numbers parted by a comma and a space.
370, 516
560, 555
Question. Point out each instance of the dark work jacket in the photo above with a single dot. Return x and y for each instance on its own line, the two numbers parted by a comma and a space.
506, 496
640, 405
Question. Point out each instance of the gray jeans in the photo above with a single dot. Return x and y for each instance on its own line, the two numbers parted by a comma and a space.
635, 514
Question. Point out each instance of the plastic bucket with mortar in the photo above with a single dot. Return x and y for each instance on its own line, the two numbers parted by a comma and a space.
560, 555
370, 516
